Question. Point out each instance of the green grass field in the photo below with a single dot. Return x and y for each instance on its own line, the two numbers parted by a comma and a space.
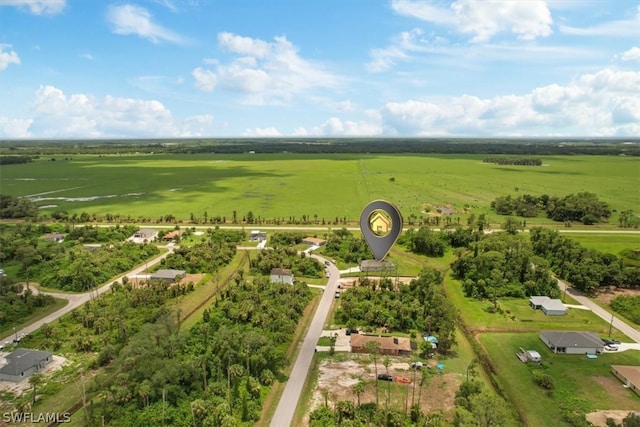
579, 382
287, 185
613, 244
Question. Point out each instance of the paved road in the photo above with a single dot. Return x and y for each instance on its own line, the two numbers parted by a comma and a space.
292, 391
623, 327
76, 300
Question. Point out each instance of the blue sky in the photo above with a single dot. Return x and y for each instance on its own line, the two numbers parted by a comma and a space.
319, 68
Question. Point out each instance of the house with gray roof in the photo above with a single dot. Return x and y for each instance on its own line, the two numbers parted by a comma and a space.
168, 276
572, 342
549, 306
23, 362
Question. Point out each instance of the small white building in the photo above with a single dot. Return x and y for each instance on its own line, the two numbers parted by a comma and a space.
549, 306
281, 275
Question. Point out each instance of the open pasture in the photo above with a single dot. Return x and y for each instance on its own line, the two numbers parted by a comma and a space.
318, 186
581, 384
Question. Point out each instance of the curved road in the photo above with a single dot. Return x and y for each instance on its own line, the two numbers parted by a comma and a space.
623, 327
76, 300
293, 389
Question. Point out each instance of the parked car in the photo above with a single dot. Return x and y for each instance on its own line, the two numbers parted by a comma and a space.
327, 263
609, 341
611, 347
337, 295
385, 377
351, 331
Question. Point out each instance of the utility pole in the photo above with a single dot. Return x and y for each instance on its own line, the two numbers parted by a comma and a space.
611, 325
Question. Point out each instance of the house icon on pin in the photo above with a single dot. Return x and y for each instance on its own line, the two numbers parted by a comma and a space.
380, 224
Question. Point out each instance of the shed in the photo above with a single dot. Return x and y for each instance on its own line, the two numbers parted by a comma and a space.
169, 276
572, 342
549, 306
281, 275
23, 362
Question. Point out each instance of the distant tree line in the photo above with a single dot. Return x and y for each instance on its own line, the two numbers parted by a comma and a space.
583, 207
493, 146
586, 269
523, 161
14, 160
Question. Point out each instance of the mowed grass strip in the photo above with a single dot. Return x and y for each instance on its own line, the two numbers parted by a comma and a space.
326, 186
574, 375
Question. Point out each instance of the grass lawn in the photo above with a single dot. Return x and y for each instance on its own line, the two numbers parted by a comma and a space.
518, 314
580, 383
329, 186
610, 243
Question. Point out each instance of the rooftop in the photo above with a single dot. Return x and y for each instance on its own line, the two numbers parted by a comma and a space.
22, 359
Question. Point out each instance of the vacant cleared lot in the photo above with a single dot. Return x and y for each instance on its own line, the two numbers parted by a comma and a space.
326, 186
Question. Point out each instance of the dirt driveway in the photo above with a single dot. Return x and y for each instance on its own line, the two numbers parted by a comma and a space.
337, 378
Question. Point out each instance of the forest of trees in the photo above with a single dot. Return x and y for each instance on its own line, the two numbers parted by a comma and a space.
344, 245
17, 207
283, 257
17, 303
419, 307
503, 265
583, 207
586, 269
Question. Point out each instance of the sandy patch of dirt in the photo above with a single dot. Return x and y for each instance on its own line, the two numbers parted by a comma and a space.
599, 418
610, 292
336, 380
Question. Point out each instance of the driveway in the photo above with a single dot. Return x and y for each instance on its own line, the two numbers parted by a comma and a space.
607, 316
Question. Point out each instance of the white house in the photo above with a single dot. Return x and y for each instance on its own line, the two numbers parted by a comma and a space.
281, 275
572, 342
550, 307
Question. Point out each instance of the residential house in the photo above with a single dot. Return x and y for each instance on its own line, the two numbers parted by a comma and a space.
23, 362
172, 235
257, 236
53, 237
572, 342
550, 307
314, 241
390, 346
144, 234
372, 265
168, 276
629, 375
281, 275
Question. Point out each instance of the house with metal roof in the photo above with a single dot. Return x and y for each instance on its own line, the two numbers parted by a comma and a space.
391, 346
23, 362
169, 276
549, 306
572, 342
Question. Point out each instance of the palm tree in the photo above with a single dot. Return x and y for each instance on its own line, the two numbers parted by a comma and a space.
358, 389
386, 362
373, 348
36, 380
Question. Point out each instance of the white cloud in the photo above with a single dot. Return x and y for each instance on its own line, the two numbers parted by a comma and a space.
484, 19
335, 126
619, 28
605, 103
262, 132
38, 7
385, 58
266, 72
129, 19
632, 54
205, 79
14, 128
7, 57
57, 115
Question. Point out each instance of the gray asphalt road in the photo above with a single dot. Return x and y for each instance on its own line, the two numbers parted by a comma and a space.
623, 327
76, 300
291, 394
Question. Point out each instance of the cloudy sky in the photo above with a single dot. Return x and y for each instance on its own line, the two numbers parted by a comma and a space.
236, 68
